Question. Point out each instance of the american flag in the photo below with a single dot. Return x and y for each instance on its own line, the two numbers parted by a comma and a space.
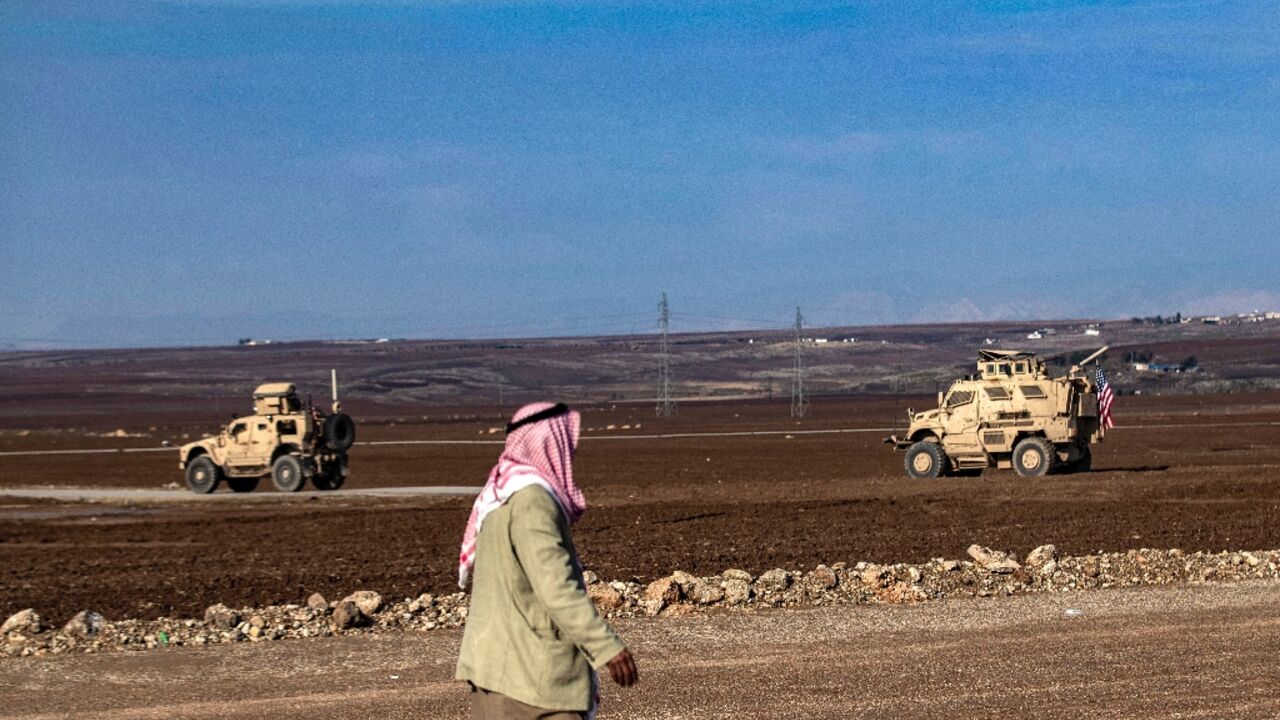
1104, 400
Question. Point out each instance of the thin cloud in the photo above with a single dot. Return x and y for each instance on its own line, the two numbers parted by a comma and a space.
807, 149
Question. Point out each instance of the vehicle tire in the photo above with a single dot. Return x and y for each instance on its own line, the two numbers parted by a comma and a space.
339, 432
203, 475
1082, 464
242, 484
925, 459
333, 475
1034, 456
286, 474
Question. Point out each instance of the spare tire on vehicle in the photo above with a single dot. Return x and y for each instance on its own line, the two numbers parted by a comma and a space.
339, 431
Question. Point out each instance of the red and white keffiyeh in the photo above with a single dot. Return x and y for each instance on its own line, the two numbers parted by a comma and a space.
540, 453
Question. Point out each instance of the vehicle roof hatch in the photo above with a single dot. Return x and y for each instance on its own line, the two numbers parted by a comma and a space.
996, 355
274, 390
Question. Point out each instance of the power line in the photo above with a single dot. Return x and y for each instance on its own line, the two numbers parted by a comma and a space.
799, 403
746, 323
666, 404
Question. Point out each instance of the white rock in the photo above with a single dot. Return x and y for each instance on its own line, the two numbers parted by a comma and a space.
1042, 555
736, 590
368, 601
993, 561
23, 621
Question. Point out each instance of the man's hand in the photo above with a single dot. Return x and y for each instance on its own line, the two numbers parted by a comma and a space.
622, 668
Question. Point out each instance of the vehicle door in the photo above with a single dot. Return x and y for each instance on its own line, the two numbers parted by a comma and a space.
261, 441
962, 420
239, 442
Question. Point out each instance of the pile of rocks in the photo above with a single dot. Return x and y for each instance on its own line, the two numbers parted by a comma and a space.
362, 611
987, 573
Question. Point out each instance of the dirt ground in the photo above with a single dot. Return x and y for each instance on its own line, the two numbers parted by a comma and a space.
1194, 472
1192, 652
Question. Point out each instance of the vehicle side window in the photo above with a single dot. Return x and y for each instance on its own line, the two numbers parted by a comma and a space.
997, 393
959, 397
1021, 368
1005, 369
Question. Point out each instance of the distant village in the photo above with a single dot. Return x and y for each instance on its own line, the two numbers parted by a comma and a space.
1136, 360
1143, 361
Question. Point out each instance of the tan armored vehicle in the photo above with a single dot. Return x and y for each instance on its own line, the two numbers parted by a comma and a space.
1010, 414
286, 440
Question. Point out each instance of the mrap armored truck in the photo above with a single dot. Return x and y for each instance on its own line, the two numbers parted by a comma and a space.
1012, 413
285, 439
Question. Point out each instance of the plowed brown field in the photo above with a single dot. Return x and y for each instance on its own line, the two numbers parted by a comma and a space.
1199, 473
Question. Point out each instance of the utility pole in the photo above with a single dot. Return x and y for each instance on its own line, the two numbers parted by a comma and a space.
799, 403
666, 404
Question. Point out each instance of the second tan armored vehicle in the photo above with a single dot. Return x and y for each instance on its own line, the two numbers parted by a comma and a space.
1010, 414
285, 440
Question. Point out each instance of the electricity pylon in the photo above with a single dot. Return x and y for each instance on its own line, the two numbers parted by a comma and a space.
666, 403
799, 402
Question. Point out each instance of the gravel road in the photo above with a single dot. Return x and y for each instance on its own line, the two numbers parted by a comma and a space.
126, 495
1192, 652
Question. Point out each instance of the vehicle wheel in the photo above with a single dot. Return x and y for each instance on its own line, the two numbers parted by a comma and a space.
925, 459
333, 475
339, 432
1082, 464
242, 484
1033, 457
286, 474
203, 475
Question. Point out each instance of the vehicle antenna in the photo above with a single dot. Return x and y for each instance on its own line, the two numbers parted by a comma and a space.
333, 379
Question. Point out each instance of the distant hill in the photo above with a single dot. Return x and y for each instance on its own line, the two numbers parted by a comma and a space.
417, 377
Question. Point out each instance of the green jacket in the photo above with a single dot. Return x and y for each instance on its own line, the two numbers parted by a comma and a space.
532, 633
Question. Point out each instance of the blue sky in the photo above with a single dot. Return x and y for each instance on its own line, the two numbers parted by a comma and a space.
191, 172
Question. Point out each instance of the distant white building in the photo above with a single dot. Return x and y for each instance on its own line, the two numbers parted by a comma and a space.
1034, 335
1092, 331
1272, 315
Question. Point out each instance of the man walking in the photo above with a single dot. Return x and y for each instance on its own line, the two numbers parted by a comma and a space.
533, 640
